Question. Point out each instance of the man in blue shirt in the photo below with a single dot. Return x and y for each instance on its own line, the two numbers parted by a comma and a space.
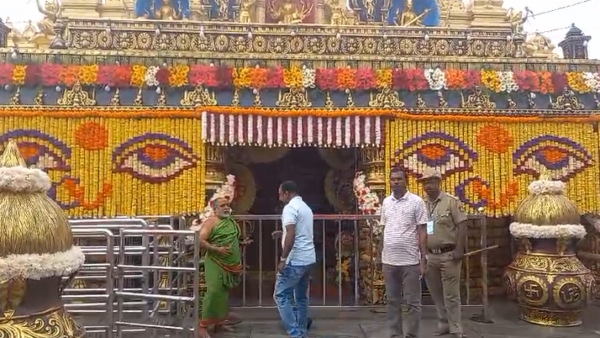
298, 256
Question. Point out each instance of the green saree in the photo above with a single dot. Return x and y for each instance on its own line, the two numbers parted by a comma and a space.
222, 272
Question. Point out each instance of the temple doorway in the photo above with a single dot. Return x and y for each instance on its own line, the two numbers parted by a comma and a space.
324, 178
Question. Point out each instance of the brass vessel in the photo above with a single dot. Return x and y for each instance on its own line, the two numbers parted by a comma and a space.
36, 252
550, 285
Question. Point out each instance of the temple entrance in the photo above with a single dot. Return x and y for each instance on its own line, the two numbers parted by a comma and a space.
324, 178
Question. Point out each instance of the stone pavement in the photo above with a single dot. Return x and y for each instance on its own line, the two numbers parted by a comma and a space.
370, 323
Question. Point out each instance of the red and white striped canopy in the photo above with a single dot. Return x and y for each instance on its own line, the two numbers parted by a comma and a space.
339, 132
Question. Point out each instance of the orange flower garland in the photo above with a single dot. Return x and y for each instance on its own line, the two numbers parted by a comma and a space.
292, 77
344, 78
383, 78
577, 83
70, 75
259, 77
178, 75
19, 74
455, 79
138, 76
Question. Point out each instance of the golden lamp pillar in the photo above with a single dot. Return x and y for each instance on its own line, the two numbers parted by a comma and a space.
215, 169
369, 242
550, 285
36, 252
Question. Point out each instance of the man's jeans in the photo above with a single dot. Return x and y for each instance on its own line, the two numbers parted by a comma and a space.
292, 284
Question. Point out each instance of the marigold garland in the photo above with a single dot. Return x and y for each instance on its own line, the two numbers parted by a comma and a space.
490, 164
326, 79
277, 112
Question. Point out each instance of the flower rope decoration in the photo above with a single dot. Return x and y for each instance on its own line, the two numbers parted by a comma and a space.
368, 202
325, 79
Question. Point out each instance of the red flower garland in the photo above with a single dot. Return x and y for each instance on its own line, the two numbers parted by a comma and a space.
275, 78
326, 79
50, 74
205, 75
365, 79
6, 71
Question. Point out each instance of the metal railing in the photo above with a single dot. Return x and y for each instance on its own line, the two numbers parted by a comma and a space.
153, 299
159, 276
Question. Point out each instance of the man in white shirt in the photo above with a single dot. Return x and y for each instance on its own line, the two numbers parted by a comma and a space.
297, 257
404, 217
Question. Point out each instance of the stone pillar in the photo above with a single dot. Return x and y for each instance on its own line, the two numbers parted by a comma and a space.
372, 161
4, 30
574, 46
215, 169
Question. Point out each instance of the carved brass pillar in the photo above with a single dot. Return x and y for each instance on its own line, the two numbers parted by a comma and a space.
373, 165
372, 162
215, 169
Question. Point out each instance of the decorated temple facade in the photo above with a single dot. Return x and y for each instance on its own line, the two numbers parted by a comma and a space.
143, 108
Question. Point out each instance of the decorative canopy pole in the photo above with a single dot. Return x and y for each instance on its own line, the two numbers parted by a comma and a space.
36, 252
551, 286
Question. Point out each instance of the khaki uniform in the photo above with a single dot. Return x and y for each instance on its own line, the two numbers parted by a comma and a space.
443, 272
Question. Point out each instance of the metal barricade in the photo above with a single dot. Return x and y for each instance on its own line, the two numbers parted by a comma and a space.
87, 298
345, 271
104, 298
177, 284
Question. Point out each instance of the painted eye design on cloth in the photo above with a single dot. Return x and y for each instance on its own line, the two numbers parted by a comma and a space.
438, 150
39, 150
154, 158
562, 157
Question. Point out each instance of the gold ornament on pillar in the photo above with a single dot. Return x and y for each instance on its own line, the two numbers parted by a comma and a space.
373, 164
551, 286
215, 168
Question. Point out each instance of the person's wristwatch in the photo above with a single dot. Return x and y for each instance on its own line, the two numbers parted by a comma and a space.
282, 259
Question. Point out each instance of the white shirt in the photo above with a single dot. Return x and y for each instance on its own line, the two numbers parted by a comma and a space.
401, 218
296, 212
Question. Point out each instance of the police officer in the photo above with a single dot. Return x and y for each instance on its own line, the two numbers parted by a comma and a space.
446, 235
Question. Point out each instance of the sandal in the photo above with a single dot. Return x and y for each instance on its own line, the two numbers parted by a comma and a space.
441, 333
459, 335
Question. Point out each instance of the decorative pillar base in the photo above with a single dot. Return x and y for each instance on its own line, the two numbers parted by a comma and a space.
372, 161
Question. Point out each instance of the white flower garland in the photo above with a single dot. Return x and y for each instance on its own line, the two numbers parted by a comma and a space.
436, 78
368, 202
24, 180
522, 230
546, 187
308, 77
592, 80
507, 82
35, 266
150, 77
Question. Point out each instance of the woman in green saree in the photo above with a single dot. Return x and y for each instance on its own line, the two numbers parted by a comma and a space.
220, 237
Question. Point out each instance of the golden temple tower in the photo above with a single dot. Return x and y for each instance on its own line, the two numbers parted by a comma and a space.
36, 252
551, 286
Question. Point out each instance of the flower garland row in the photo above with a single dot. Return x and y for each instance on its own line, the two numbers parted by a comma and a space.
345, 78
